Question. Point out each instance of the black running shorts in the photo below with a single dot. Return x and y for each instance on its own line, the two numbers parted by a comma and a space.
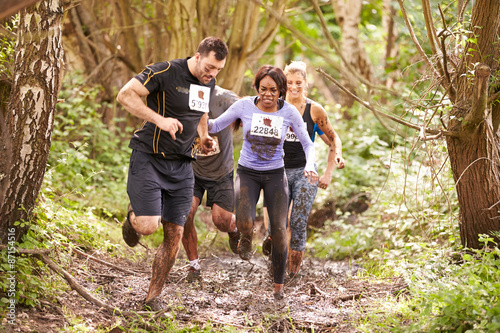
160, 187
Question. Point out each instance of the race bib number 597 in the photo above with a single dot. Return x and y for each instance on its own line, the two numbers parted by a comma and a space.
266, 125
199, 97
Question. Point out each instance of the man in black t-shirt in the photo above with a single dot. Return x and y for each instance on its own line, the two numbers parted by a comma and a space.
160, 179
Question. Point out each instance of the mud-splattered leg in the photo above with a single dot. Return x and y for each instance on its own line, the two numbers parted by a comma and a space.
190, 237
165, 258
294, 261
223, 220
276, 196
278, 291
246, 194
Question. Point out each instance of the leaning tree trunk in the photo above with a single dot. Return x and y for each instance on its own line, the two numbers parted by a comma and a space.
474, 150
26, 137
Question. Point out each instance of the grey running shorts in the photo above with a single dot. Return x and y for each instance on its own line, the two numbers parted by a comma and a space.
220, 192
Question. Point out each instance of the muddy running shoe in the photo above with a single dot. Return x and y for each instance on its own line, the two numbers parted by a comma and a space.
280, 301
234, 239
293, 275
245, 247
280, 295
130, 236
267, 246
293, 278
193, 275
153, 305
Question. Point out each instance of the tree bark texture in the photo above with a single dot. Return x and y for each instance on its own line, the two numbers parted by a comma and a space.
29, 118
475, 166
474, 149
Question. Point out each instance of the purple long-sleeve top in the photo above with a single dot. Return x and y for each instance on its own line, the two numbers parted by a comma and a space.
264, 134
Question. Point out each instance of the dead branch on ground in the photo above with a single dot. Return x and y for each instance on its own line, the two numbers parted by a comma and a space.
91, 257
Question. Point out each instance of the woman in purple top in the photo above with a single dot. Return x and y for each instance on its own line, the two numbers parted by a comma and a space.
266, 119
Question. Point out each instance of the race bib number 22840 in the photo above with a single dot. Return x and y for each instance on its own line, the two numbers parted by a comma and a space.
266, 125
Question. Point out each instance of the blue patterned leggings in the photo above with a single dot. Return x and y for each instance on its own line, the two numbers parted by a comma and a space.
303, 194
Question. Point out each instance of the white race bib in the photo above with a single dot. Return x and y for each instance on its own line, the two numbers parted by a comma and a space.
266, 125
290, 135
199, 97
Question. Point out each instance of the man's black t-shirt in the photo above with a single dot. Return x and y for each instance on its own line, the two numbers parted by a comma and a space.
176, 93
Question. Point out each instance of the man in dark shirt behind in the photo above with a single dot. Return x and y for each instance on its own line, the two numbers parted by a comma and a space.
160, 179
213, 173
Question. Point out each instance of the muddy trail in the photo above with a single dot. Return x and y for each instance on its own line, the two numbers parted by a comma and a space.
329, 296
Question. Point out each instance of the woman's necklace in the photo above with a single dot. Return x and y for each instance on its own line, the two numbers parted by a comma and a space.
300, 106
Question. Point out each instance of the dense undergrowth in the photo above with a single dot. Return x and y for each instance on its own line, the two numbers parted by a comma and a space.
410, 230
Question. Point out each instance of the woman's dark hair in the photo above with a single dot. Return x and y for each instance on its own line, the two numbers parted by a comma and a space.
276, 74
213, 44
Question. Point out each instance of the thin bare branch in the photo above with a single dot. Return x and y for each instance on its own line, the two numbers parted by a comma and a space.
473, 162
322, 53
10, 7
415, 40
74, 284
105, 263
332, 42
462, 11
429, 26
494, 97
6, 33
393, 118
272, 25
445, 33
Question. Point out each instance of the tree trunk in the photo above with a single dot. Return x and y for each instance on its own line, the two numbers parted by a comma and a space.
391, 49
474, 150
169, 29
475, 165
100, 58
26, 139
348, 13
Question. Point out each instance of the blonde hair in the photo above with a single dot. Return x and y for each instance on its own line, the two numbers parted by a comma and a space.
296, 67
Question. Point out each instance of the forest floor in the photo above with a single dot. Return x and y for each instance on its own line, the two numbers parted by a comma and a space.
330, 296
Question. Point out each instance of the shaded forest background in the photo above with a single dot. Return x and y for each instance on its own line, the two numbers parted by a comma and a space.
399, 81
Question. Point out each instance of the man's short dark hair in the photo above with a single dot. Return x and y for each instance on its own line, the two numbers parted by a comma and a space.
213, 44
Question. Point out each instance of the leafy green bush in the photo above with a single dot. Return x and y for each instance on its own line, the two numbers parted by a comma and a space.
343, 240
443, 295
7, 49
88, 162
59, 229
462, 297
